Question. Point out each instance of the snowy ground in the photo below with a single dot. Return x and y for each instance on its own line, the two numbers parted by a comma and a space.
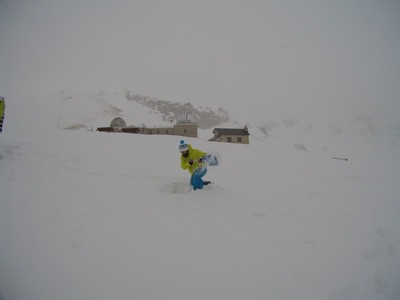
89, 215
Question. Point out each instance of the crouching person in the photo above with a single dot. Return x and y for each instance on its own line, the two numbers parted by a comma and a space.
192, 160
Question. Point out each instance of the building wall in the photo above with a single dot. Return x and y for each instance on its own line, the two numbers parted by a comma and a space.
233, 139
182, 129
186, 129
160, 130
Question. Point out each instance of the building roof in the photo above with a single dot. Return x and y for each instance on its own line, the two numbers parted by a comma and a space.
230, 131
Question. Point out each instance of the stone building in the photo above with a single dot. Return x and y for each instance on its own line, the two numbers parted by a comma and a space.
231, 135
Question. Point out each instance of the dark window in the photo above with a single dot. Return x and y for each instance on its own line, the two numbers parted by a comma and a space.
229, 139
239, 139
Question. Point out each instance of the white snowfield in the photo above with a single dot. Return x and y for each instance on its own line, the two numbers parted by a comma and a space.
90, 215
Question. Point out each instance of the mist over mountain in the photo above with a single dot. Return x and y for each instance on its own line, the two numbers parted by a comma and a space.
265, 60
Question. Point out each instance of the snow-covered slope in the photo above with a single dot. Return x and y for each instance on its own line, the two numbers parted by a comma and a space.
90, 215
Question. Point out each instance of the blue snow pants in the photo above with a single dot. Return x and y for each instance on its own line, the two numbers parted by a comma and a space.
196, 180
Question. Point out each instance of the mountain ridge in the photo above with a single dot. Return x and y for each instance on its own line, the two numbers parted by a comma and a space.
206, 117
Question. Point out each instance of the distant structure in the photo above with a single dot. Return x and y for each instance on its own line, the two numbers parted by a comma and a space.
118, 122
181, 128
186, 128
231, 135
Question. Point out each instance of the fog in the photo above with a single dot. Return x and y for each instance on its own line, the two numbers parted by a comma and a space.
262, 59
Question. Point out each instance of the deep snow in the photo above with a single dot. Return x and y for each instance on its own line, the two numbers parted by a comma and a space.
90, 215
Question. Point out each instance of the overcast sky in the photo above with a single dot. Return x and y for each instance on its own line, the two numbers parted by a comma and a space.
268, 58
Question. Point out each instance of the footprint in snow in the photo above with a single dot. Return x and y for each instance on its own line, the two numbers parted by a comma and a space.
176, 188
181, 188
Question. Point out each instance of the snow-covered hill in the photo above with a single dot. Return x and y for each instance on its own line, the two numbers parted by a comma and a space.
76, 109
90, 215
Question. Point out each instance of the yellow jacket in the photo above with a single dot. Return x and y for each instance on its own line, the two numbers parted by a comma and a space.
194, 154
2, 106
